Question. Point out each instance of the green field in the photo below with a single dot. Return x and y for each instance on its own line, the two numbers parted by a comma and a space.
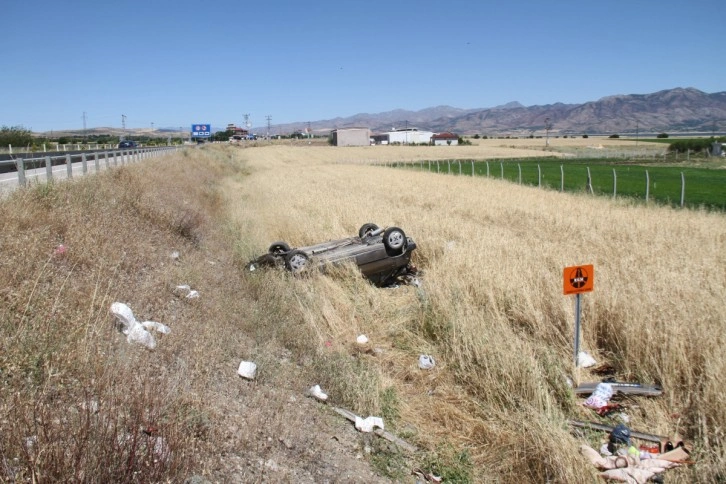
704, 187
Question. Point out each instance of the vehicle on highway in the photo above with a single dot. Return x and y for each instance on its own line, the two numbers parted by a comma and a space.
128, 144
382, 255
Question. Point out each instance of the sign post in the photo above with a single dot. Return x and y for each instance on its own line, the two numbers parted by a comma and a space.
576, 280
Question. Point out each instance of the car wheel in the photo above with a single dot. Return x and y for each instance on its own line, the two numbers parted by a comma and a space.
296, 261
366, 229
394, 240
278, 248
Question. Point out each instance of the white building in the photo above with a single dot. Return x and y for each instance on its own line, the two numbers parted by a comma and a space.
409, 136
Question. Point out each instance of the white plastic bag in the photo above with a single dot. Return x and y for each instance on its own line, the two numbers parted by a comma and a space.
368, 424
584, 360
318, 393
137, 332
426, 362
600, 397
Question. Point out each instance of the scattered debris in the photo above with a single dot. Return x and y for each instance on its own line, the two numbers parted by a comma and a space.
247, 369
584, 360
368, 424
137, 332
426, 362
175, 256
600, 397
317, 392
188, 291
362, 339
60, 250
609, 428
382, 255
621, 387
379, 432
428, 477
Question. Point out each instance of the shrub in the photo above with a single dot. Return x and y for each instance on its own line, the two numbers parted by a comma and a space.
614, 136
662, 135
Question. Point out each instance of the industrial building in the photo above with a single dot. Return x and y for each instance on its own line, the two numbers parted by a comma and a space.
351, 137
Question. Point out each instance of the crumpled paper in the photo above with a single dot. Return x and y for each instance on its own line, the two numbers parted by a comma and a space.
367, 424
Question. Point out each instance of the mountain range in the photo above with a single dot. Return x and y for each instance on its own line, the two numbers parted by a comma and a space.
678, 110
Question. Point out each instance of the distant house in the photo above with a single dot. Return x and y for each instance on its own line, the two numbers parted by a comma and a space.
351, 137
445, 138
409, 136
238, 134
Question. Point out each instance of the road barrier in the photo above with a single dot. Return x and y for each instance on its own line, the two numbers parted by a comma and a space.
48, 168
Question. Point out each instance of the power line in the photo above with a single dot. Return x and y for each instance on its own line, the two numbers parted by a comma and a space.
268, 118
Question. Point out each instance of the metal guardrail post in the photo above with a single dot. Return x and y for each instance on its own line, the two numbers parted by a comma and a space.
69, 166
48, 169
105, 157
84, 163
96, 162
21, 172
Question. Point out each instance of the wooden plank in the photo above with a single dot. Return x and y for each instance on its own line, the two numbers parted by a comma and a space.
609, 428
379, 432
622, 387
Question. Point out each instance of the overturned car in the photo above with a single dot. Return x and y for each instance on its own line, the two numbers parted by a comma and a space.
383, 255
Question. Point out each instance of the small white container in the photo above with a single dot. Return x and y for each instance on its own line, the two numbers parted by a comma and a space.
247, 369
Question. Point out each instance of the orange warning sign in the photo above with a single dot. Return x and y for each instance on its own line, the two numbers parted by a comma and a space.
577, 279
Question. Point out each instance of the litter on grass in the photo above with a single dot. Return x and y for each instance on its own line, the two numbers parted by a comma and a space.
187, 291
426, 362
137, 332
247, 369
368, 424
317, 392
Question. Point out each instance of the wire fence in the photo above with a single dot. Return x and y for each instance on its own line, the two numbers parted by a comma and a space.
669, 185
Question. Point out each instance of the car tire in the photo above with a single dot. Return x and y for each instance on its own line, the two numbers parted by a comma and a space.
296, 261
394, 239
366, 229
278, 248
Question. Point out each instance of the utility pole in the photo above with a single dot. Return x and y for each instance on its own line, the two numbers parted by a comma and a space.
637, 132
123, 125
84, 126
548, 127
268, 118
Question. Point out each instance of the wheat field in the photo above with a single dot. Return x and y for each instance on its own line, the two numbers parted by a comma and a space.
491, 308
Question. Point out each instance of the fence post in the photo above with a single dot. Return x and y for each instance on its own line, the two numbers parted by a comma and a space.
519, 170
448, 169
539, 176
589, 181
647, 186
10, 149
96, 162
472, 167
683, 189
615, 184
429, 165
487, 169
69, 166
562, 178
105, 158
459, 167
84, 163
437, 166
48, 169
21, 172
501, 166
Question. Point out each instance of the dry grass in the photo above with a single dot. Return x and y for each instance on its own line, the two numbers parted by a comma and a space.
79, 403
492, 310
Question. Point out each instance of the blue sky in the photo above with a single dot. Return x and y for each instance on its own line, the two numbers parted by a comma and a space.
174, 63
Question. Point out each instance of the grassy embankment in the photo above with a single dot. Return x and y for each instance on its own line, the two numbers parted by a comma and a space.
490, 310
